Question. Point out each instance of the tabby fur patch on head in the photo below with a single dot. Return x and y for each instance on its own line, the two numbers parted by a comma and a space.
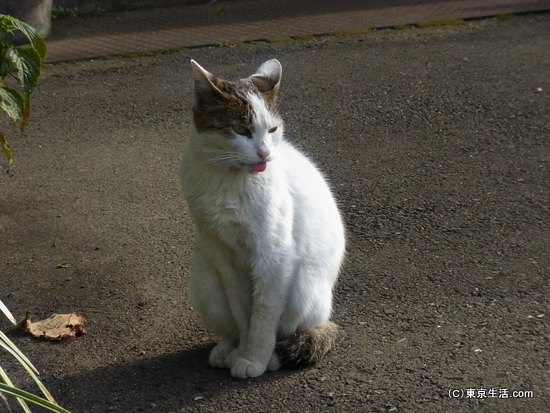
236, 123
220, 104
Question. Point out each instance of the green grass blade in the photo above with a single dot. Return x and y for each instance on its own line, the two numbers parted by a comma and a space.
29, 397
3, 307
12, 348
6, 380
27, 365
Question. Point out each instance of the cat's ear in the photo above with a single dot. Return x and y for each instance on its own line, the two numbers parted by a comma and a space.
268, 77
205, 82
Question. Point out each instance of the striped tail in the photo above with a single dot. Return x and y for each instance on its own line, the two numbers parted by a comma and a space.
308, 347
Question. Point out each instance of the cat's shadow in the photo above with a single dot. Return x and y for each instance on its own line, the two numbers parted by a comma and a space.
165, 383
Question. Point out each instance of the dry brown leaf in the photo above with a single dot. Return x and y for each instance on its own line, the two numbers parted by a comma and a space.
60, 327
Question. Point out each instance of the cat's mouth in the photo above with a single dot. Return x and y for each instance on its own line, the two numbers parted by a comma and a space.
258, 167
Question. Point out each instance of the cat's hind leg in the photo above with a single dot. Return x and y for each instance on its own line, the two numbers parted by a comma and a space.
274, 362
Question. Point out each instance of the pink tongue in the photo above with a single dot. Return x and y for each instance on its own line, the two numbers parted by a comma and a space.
259, 167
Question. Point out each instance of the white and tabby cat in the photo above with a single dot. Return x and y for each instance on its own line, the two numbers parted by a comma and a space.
270, 239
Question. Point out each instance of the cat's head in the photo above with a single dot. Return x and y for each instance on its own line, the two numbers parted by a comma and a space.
236, 123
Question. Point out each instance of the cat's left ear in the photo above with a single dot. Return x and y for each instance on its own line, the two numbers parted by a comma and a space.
268, 77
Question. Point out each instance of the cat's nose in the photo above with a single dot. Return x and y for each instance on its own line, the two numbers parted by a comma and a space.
263, 154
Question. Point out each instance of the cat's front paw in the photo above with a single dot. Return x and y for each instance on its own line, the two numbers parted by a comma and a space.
219, 353
242, 367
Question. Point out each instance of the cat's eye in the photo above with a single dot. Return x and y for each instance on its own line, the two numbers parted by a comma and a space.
241, 130
273, 129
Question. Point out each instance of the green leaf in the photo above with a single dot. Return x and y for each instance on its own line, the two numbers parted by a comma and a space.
11, 23
23, 64
29, 67
63, 265
6, 65
7, 150
40, 46
11, 103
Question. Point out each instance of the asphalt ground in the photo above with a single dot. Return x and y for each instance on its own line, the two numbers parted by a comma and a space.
436, 142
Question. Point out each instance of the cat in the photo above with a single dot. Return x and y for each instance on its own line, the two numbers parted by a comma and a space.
270, 238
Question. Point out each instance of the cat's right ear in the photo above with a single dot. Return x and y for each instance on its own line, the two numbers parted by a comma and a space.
200, 75
205, 82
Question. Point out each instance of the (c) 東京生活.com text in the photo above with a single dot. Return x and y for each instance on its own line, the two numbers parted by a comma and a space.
489, 393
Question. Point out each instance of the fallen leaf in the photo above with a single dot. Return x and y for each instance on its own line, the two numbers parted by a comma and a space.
63, 265
60, 327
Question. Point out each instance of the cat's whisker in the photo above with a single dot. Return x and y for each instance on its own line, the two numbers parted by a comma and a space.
218, 156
